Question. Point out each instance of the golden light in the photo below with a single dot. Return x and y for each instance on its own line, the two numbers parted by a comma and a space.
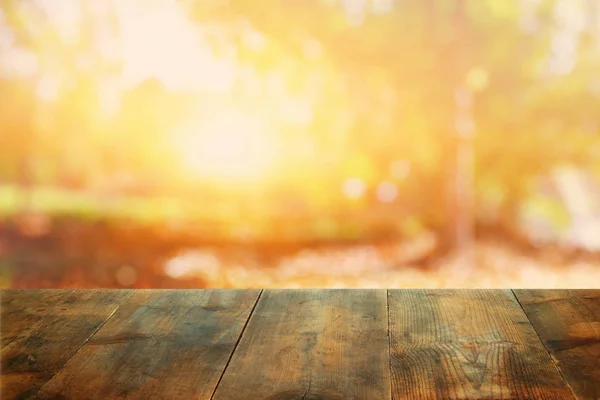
353, 188
234, 147
162, 42
48, 89
387, 192
477, 79
109, 97
400, 169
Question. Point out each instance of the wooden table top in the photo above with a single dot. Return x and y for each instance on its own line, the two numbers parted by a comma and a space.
300, 344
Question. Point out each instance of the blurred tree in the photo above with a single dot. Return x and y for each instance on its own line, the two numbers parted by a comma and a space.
378, 81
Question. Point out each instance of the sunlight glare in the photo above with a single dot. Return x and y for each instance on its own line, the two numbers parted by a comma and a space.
109, 97
18, 62
400, 169
387, 192
235, 147
353, 188
47, 89
66, 15
382, 6
297, 111
477, 79
163, 43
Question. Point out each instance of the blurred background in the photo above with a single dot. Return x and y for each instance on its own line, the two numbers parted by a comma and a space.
313, 143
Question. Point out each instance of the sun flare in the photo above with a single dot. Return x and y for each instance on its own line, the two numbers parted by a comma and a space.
233, 147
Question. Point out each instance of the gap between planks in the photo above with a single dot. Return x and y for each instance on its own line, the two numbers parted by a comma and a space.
243, 330
86, 340
237, 343
550, 355
389, 334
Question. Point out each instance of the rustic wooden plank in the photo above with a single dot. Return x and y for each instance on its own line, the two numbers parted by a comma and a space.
312, 344
467, 344
568, 322
160, 344
42, 329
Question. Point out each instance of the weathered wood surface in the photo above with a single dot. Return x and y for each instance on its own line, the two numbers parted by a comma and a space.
160, 344
300, 344
312, 344
42, 329
568, 322
467, 344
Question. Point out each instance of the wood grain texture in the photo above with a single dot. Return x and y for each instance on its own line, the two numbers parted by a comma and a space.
467, 344
42, 329
568, 322
160, 344
312, 344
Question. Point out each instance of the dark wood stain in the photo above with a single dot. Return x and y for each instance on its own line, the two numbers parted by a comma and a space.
568, 322
569, 344
120, 338
43, 335
160, 344
467, 344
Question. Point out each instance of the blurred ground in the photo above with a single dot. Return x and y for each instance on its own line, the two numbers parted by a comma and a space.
75, 254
